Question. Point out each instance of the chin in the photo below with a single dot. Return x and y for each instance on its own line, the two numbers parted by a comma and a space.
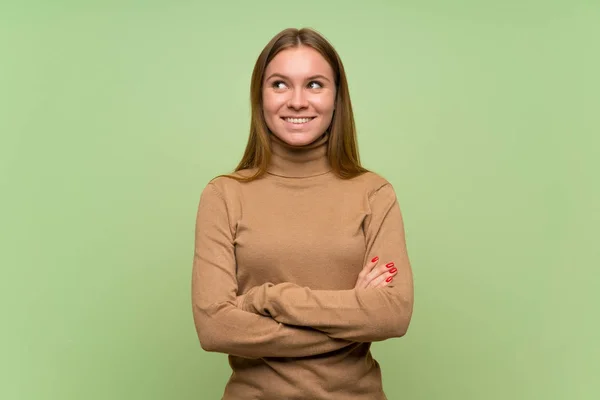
299, 139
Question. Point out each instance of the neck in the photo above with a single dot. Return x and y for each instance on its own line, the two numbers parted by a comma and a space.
299, 161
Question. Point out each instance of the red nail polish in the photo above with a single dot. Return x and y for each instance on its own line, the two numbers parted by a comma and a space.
389, 279
375, 259
393, 270
390, 265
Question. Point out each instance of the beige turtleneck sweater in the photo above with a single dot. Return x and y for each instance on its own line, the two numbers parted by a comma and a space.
275, 265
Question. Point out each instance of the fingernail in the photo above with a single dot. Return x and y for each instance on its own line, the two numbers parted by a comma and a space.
389, 279
390, 265
375, 259
393, 270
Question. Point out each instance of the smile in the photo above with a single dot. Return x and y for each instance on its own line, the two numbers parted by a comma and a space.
298, 121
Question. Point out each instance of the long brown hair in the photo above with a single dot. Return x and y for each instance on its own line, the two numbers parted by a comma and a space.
342, 150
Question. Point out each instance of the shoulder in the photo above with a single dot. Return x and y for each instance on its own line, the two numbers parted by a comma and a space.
372, 183
227, 185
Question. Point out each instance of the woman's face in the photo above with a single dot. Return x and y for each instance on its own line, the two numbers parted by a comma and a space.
298, 95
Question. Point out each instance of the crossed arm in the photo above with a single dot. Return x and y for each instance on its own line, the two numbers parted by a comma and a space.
360, 315
223, 327
287, 320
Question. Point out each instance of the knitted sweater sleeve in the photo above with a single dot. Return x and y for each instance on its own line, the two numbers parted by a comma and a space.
220, 325
362, 315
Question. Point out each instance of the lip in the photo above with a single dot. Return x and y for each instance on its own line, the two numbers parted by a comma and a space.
300, 117
301, 126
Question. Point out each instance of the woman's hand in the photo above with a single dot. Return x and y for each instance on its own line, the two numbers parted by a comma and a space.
374, 275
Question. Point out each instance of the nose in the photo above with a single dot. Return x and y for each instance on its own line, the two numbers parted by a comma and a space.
298, 100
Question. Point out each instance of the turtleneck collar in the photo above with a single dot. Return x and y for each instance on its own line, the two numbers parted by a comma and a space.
299, 161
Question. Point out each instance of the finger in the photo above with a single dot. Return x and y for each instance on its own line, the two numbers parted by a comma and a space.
381, 281
361, 282
384, 282
376, 272
393, 271
384, 278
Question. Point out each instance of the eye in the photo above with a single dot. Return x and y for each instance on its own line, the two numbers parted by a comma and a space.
278, 85
315, 85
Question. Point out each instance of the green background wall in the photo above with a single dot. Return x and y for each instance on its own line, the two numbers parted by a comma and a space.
115, 114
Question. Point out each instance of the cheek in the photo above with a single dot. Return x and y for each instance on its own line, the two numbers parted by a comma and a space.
270, 110
271, 105
324, 104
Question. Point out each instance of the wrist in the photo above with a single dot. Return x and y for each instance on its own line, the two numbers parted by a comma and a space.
244, 301
250, 300
254, 300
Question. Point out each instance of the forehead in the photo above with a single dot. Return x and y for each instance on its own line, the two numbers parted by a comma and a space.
298, 62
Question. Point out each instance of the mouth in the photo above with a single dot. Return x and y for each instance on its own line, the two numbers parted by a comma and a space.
298, 120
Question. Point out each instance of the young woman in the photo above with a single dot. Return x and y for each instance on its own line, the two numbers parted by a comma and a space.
300, 257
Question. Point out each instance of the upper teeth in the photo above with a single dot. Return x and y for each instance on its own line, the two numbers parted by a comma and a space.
298, 120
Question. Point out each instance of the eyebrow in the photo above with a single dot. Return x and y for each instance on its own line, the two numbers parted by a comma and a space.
309, 78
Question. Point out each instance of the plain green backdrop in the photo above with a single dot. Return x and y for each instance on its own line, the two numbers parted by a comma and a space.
115, 114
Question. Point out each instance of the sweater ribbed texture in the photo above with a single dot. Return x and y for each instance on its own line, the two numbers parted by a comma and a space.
275, 265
